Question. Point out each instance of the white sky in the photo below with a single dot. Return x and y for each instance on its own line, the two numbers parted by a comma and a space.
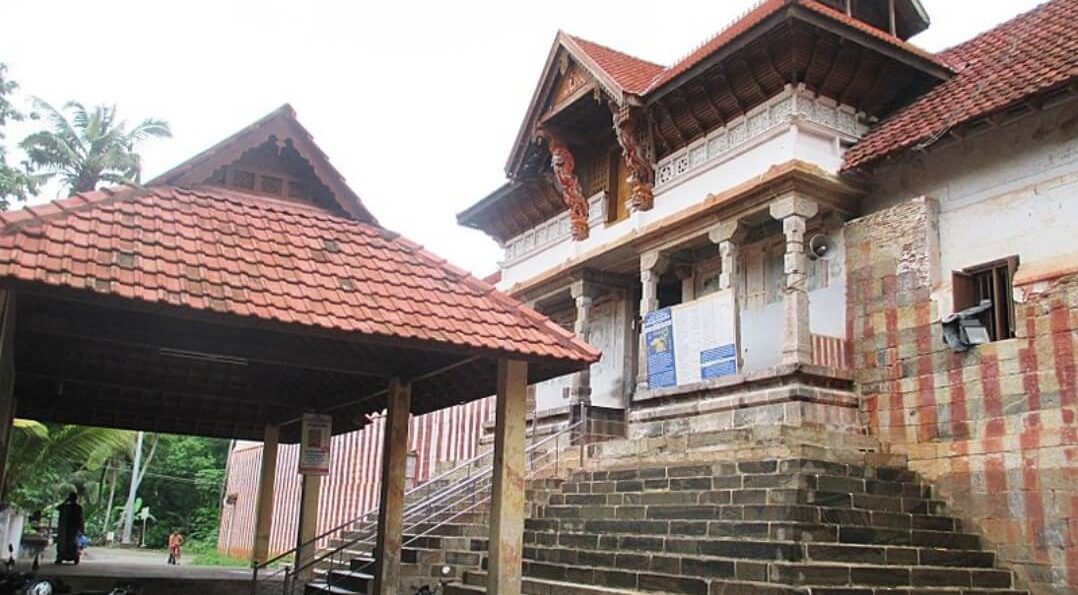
416, 102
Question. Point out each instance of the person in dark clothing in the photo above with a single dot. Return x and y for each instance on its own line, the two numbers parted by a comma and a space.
69, 529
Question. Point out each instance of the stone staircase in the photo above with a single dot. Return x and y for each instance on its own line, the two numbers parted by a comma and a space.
763, 510
437, 550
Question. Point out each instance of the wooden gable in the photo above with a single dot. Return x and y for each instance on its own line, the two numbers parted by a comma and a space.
274, 157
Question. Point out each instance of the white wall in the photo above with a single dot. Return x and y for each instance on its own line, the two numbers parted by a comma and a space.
1008, 191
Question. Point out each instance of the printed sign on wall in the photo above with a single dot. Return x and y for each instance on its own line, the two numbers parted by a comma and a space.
659, 337
692, 342
315, 439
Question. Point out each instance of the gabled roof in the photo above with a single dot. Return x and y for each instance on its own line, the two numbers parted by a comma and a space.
1029, 55
631, 74
225, 252
627, 78
283, 124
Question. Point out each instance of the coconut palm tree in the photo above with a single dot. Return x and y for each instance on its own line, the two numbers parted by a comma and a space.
45, 461
87, 147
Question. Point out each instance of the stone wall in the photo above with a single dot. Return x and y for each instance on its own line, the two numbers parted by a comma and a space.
993, 428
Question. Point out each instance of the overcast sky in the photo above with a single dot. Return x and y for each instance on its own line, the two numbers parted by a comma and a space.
416, 102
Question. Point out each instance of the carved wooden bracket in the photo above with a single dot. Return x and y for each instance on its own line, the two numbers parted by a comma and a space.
564, 166
632, 133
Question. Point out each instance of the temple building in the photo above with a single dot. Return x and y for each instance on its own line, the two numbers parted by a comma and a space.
773, 230
834, 281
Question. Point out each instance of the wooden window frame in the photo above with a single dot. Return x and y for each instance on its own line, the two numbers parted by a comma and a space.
992, 280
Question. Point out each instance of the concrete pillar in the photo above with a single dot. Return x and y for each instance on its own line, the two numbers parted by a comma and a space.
794, 212
652, 265
7, 377
387, 550
308, 524
583, 297
507, 495
264, 503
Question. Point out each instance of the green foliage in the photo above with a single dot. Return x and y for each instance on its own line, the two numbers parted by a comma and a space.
204, 553
86, 147
14, 181
183, 488
47, 461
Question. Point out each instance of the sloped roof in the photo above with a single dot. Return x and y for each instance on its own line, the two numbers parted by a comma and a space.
1030, 54
282, 123
631, 73
227, 252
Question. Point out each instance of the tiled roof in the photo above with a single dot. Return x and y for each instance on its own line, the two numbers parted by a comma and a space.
641, 77
231, 253
1030, 54
631, 73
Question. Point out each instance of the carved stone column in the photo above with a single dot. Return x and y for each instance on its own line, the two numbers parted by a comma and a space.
583, 296
652, 265
794, 212
729, 235
631, 128
564, 166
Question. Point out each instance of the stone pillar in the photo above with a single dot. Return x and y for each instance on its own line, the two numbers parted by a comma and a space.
729, 235
391, 505
652, 265
311, 487
506, 545
7, 376
794, 212
583, 296
264, 503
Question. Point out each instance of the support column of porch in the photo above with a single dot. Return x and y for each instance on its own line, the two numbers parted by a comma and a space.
264, 504
391, 508
506, 545
7, 378
310, 490
583, 297
794, 212
729, 235
652, 265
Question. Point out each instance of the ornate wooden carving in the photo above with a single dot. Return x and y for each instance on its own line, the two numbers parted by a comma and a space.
572, 81
631, 129
564, 165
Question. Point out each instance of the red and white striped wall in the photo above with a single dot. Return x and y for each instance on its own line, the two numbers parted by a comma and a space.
831, 352
351, 488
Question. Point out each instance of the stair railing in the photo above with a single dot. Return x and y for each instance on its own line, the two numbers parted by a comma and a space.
277, 575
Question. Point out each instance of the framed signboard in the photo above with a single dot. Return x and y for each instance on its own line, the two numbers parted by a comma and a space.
314, 448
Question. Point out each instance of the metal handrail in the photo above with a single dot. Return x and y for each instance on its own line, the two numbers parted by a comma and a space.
431, 502
372, 511
455, 488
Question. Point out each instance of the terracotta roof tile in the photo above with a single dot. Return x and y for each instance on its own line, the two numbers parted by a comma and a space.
641, 77
631, 73
225, 251
1032, 53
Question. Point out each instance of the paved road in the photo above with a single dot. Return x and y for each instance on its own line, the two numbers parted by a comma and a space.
118, 562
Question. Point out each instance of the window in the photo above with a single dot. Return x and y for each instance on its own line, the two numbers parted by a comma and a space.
992, 282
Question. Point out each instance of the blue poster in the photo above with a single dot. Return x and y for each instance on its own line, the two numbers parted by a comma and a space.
718, 361
659, 338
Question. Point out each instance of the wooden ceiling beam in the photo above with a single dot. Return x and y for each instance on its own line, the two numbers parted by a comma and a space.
664, 112
199, 340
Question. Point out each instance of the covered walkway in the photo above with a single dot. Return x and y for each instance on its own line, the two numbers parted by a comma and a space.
246, 288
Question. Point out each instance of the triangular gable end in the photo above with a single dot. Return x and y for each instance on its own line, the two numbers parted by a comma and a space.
276, 157
568, 74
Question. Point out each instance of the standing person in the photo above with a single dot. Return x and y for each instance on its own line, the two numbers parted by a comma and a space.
174, 542
68, 530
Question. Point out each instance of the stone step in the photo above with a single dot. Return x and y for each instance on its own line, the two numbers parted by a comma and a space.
784, 495
831, 575
792, 532
531, 585
797, 480
764, 551
351, 579
323, 588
